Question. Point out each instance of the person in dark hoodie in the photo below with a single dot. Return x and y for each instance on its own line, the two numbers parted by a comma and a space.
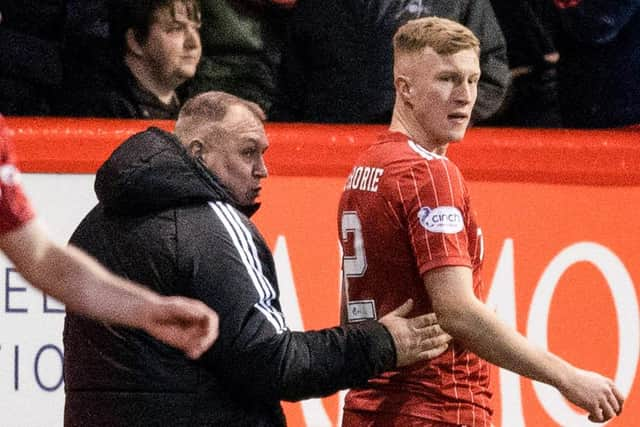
174, 213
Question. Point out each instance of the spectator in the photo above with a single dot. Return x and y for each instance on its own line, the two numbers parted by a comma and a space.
155, 47
30, 56
337, 65
174, 213
532, 99
241, 49
599, 68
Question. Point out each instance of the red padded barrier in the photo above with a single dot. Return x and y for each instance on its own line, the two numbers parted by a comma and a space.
590, 157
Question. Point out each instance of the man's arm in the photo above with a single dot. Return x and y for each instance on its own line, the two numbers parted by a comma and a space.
85, 287
296, 365
319, 363
255, 352
470, 322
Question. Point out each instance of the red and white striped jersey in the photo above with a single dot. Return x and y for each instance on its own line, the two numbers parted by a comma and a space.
15, 209
403, 212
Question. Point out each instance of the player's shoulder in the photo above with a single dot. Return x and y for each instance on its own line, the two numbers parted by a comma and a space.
401, 158
432, 169
394, 147
422, 159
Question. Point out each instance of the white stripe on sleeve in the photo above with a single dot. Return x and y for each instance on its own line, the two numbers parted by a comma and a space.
244, 244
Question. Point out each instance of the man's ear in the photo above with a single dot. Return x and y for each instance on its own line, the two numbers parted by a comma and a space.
133, 45
196, 149
403, 88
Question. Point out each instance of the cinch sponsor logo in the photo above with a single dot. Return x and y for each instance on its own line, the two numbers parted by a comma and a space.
443, 219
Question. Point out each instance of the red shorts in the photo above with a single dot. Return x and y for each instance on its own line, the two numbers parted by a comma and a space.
375, 419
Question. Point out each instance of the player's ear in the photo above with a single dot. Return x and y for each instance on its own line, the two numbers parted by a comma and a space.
196, 149
404, 88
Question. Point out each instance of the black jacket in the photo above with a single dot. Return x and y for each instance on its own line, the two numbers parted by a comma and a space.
165, 221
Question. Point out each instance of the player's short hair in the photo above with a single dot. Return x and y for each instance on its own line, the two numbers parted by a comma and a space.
201, 115
444, 36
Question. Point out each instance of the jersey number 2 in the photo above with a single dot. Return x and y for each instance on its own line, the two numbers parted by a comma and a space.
353, 265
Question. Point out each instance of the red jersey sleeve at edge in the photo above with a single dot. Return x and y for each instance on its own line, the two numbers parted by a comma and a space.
15, 209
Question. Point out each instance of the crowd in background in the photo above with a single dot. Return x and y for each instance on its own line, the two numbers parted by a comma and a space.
545, 63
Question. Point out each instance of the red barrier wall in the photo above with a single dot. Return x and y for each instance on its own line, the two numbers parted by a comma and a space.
558, 210
487, 154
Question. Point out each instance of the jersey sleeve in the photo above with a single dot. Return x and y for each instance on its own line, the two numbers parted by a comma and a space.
432, 198
15, 209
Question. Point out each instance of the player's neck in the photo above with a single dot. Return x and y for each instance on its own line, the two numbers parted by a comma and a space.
410, 128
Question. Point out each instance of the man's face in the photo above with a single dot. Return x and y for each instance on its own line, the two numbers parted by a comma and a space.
443, 90
172, 49
237, 158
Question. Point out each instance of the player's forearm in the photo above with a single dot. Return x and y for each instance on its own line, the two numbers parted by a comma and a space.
74, 278
479, 330
88, 288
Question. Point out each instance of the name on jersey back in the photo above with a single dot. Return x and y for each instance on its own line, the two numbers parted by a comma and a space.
364, 178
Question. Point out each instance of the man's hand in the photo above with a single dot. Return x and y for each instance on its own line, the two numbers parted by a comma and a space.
186, 324
594, 393
416, 338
